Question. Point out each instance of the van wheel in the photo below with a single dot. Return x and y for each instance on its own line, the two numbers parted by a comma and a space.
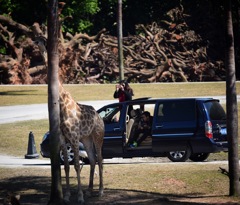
179, 156
199, 157
70, 155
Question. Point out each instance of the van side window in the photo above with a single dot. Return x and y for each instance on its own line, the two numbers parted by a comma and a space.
160, 113
111, 114
176, 111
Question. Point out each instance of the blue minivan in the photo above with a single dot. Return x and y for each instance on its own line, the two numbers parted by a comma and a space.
182, 129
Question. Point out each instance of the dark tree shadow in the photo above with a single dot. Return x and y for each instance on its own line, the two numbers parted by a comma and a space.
20, 92
36, 190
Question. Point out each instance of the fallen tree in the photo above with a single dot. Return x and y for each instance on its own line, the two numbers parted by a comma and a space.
168, 51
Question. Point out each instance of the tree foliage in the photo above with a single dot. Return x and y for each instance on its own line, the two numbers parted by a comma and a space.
80, 13
200, 19
92, 15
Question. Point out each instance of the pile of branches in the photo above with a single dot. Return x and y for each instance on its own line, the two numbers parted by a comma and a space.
168, 51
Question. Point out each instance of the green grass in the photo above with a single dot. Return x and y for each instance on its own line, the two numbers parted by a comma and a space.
34, 94
14, 136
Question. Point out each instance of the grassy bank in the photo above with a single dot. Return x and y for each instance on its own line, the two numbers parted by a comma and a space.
34, 94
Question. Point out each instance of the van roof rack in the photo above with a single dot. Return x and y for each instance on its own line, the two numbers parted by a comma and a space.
144, 98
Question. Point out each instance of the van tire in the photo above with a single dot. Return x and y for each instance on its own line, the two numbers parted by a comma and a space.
179, 156
199, 157
70, 155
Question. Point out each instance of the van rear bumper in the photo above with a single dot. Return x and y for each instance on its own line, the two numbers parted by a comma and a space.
220, 147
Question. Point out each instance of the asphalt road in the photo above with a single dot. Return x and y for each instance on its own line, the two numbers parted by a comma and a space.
9, 114
16, 162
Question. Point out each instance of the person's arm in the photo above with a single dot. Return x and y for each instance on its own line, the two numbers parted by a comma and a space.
116, 94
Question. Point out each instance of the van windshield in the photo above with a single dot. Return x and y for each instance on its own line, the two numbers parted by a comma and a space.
215, 110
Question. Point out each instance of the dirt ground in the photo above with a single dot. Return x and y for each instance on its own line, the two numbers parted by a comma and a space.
137, 197
115, 197
34, 187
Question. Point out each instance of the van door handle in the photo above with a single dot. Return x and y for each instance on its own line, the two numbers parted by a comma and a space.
159, 126
116, 129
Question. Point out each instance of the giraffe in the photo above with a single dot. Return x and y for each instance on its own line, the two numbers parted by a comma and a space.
80, 123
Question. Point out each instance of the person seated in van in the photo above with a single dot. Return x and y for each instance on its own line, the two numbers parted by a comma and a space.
144, 128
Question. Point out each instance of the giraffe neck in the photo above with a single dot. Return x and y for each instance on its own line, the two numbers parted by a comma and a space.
61, 89
68, 107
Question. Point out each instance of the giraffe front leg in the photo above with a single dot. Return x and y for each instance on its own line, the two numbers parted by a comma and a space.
100, 166
77, 169
67, 169
92, 160
92, 171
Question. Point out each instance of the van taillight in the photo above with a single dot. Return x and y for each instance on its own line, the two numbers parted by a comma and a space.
208, 129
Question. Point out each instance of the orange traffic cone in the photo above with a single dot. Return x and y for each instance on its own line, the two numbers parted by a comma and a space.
31, 152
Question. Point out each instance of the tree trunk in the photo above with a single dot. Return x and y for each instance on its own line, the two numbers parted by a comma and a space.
120, 43
56, 196
232, 111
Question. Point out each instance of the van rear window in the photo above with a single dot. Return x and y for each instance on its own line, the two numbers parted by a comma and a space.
215, 110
